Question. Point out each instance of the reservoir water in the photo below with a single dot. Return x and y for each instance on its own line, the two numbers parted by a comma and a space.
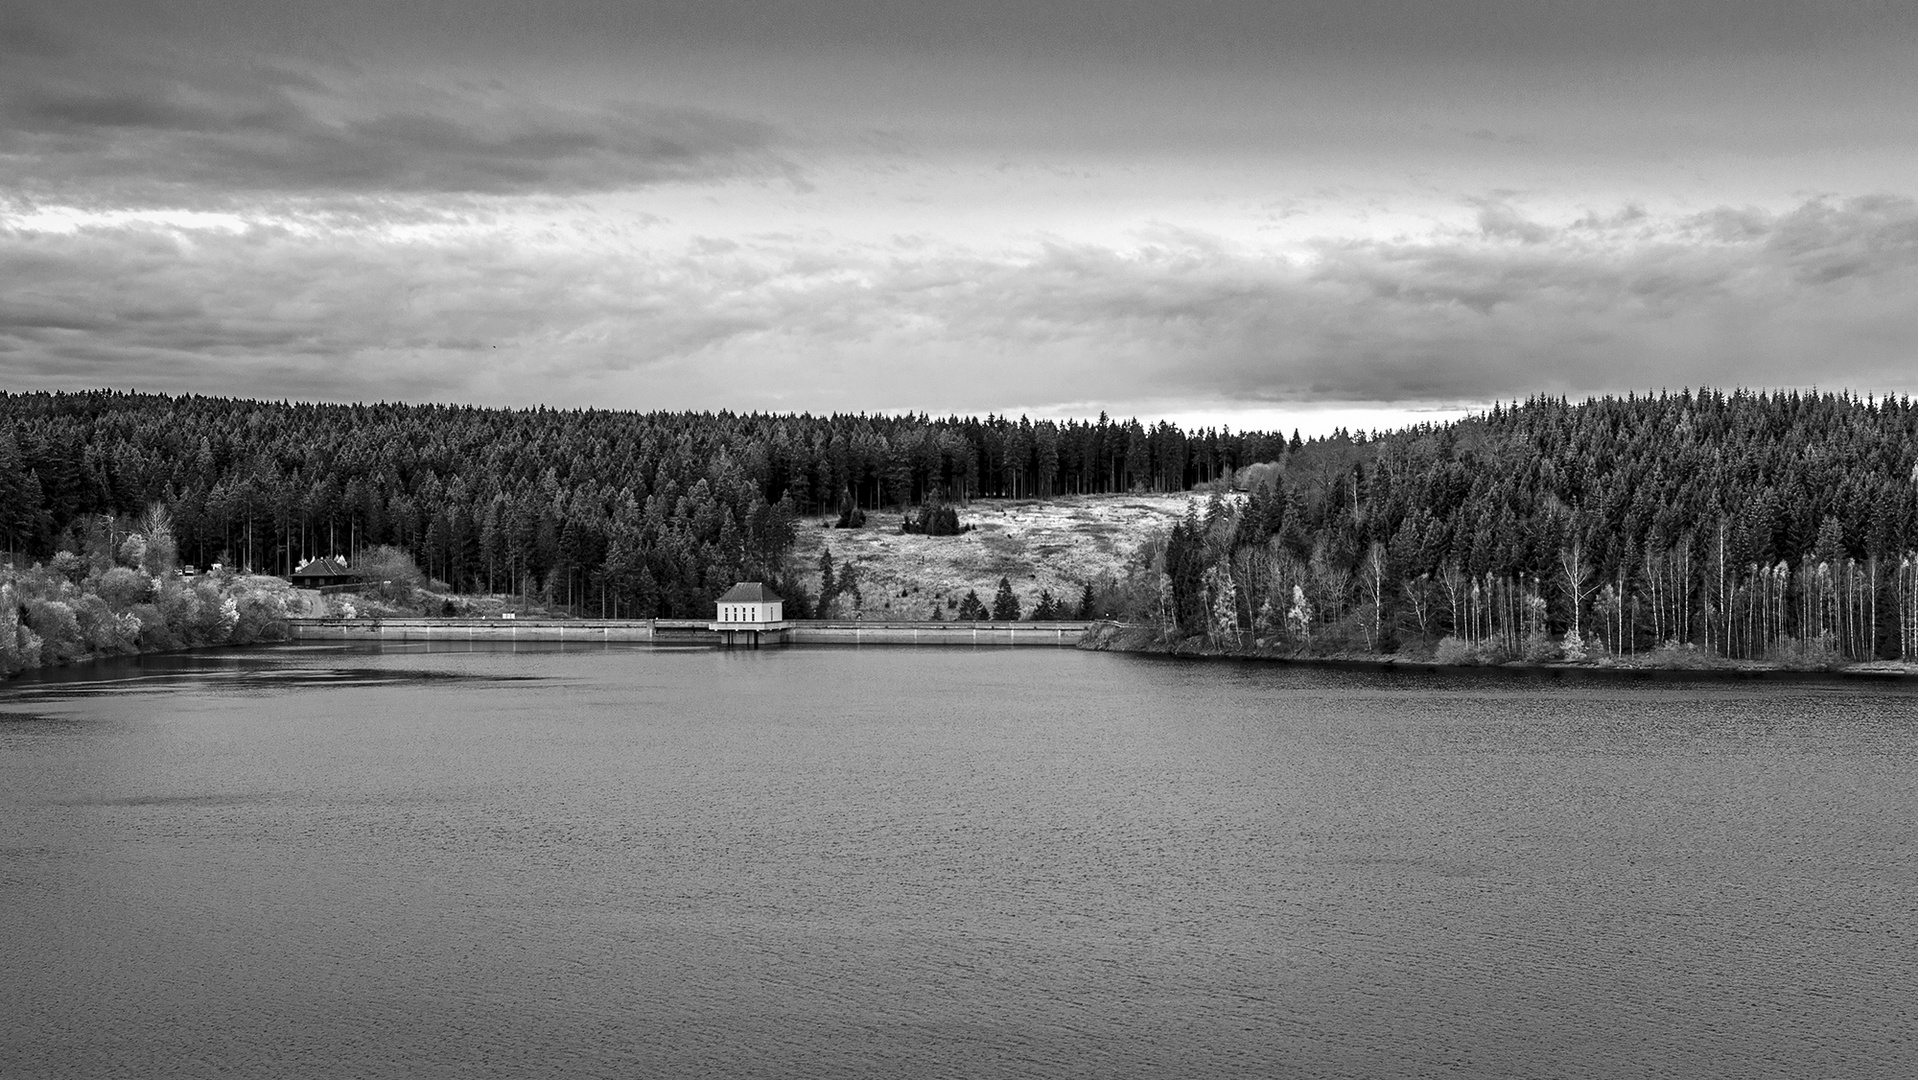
318, 862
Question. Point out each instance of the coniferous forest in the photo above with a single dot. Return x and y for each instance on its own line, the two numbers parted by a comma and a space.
1744, 525
604, 512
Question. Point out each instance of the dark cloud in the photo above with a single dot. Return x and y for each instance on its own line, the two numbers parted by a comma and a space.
1131, 29
165, 129
22, 36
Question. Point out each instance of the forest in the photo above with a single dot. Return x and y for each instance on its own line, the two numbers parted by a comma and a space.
603, 512
1745, 525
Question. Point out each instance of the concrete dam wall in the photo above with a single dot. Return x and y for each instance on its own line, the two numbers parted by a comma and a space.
584, 631
1056, 634
687, 631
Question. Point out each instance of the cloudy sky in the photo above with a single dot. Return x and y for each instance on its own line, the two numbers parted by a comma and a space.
1257, 212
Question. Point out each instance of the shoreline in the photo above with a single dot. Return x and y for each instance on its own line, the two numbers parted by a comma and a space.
1098, 637
1139, 641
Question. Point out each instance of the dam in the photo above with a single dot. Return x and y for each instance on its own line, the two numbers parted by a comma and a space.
689, 632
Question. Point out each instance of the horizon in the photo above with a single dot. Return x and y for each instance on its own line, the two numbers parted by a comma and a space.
1361, 215
1322, 424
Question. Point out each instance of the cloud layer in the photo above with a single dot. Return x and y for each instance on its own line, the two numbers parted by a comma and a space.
107, 128
1051, 205
1630, 301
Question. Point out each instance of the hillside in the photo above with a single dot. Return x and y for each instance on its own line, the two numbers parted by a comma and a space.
1058, 544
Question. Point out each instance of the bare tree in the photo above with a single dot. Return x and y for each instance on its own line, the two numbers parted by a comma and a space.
1457, 591
1418, 594
1576, 573
1372, 585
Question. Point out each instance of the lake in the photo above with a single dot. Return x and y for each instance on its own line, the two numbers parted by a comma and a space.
318, 862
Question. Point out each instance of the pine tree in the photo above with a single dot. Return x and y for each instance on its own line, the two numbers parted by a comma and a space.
828, 583
1046, 611
971, 608
1005, 606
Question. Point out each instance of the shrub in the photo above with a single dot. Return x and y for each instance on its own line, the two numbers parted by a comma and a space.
104, 630
1539, 647
934, 521
15, 653
1812, 654
390, 574
1574, 646
212, 614
61, 641
155, 633
1452, 650
124, 587
850, 516
259, 611
19, 648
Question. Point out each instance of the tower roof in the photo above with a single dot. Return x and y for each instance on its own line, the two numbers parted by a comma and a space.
749, 592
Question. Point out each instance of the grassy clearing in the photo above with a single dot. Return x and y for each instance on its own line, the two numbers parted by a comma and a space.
1057, 544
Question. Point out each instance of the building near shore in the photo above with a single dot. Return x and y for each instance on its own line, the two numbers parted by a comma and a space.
746, 606
321, 573
748, 615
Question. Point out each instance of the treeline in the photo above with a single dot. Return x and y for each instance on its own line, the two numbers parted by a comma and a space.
1743, 525
607, 512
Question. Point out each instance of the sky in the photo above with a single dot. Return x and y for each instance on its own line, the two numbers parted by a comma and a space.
1359, 213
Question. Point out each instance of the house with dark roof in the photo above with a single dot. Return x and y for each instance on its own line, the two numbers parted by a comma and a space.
322, 572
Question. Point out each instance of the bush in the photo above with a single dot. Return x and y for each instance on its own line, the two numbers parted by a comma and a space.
1345, 636
390, 574
15, 653
259, 609
19, 648
1812, 654
934, 521
1452, 650
1539, 648
1414, 648
1574, 646
258, 620
104, 630
61, 641
212, 614
124, 587
155, 634
850, 516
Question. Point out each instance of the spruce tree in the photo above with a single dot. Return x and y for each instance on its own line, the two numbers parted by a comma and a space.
971, 608
828, 583
1005, 606
1046, 611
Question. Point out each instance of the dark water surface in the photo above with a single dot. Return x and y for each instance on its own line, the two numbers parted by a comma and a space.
321, 862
